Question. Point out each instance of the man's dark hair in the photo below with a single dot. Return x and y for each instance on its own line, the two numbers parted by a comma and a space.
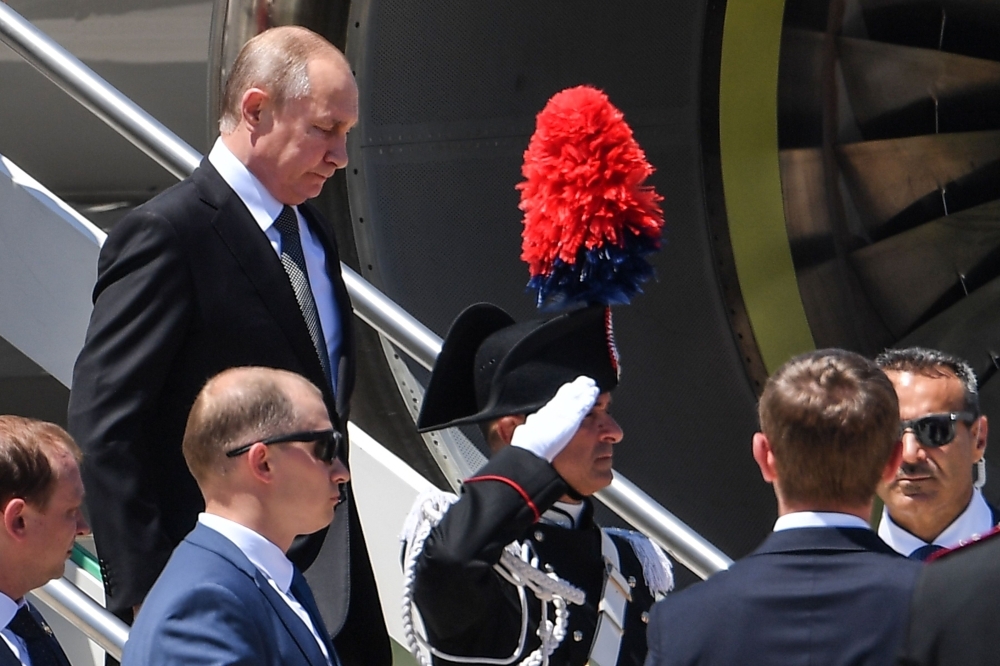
934, 364
832, 419
223, 419
26, 447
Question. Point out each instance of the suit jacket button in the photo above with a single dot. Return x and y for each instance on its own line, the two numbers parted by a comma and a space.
539, 536
577, 635
631, 581
645, 617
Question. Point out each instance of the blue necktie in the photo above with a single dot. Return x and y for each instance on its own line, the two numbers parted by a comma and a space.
300, 590
294, 262
924, 552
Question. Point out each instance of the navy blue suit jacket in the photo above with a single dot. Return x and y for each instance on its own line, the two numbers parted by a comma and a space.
212, 606
821, 595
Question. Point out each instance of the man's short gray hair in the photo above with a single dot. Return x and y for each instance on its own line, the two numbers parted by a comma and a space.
275, 61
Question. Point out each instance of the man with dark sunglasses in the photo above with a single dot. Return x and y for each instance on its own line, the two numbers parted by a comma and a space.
934, 502
267, 459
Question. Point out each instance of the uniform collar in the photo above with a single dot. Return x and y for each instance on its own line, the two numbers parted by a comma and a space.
263, 207
976, 520
263, 554
564, 514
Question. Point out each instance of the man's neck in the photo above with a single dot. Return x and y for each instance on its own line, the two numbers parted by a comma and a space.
253, 518
928, 525
861, 511
12, 582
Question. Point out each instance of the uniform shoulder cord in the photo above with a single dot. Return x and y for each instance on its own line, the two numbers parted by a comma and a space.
518, 566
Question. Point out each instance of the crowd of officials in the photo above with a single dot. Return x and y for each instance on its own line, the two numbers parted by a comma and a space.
222, 511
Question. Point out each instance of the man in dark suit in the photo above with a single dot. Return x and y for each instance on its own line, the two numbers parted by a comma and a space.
231, 267
934, 501
262, 448
41, 498
953, 617
822, 588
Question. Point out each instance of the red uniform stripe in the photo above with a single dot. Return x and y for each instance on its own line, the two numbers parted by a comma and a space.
512, 484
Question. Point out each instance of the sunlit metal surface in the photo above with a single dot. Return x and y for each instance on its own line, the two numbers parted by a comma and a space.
85, 614
90, 90
643, 512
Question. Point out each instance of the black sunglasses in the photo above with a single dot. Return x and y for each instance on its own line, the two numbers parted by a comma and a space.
327, 443
935, 430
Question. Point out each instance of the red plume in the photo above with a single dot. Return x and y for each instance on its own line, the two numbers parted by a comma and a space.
584, 191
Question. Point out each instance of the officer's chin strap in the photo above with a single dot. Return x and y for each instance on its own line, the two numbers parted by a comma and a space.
517, 566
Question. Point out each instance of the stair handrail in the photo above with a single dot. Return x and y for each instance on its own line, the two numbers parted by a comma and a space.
371, 305
85, 614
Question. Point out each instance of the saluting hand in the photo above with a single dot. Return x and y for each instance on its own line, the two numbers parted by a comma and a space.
547, 432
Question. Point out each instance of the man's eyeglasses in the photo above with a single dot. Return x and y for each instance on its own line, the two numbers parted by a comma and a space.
327, 443
935, 430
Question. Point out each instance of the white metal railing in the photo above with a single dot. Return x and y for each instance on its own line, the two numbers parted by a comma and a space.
370, 304
85, 614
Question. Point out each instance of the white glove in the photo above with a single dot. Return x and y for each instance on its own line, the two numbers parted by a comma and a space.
547, 432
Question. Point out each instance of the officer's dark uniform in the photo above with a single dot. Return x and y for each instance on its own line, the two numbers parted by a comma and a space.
954, 618
469, 610
491, 367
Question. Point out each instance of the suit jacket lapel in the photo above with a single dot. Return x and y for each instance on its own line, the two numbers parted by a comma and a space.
59, 653
293, 623
343, 366
7, 657
261, 265
209, 539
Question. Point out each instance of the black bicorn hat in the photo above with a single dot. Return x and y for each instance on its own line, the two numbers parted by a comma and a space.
491, 366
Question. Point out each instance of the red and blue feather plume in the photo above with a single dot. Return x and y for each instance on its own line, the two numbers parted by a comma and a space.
589, 221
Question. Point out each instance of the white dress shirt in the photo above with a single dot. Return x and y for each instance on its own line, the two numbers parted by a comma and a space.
264, 209
8, 609
799, 519
976, 520
564, 514
269, 560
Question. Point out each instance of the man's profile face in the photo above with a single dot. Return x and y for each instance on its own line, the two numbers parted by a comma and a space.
585, 463
303, 142
310, 488
933, 485
50, 533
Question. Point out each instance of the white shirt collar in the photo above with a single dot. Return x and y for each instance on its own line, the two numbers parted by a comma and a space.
798, 519
564, 514
976, 520
8, 609
262, 553
262, 205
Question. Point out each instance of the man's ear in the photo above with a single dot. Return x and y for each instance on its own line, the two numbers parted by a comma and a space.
13, 518
254, 107
764, 457
505, 426
980, 435
895, 460
258, 461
